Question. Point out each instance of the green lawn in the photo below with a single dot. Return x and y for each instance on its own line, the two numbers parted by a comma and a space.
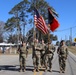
72, 49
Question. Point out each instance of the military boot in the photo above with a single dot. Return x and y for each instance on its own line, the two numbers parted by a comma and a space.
24, 68
37, 69
20, 69
50, 70
46, 69
60, 70
34, 69
63, 71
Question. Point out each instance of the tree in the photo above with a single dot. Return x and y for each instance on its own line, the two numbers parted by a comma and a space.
23, 10
2, 24
20, 13
12, 39
57, 43
42, 7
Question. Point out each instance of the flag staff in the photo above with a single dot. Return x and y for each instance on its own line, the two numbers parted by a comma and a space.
49, 29
34, 31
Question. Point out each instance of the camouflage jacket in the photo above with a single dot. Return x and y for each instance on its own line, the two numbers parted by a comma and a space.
49, 49
22, 50
62, 51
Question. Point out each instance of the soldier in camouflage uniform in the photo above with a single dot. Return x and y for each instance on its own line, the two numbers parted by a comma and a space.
36, 55
49, 52
42, 53
62, 53
22, 56
33, 53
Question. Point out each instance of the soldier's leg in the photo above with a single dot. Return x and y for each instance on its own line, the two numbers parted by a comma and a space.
60, 64
20, 59
42, 59
34, 63
50, 64
64, 64
37, 63
24, 63
46, 63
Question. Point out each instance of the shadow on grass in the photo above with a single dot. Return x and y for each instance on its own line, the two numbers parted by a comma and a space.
14, 68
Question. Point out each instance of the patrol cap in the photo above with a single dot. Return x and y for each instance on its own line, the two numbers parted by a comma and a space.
62, 41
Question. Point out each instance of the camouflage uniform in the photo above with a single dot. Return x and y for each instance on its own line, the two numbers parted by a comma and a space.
49, 56
42, 51
62, 53
22, 57
36, 56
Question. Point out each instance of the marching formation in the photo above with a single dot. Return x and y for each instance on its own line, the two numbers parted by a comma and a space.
42, 55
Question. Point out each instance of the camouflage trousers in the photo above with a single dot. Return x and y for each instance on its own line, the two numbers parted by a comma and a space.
42, 60
48, 61
62, 63
36, 61
22, 60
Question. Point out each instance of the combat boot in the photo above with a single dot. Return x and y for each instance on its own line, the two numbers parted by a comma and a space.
37, 70
63, 71
50, 70
20, 69
24, 68
60, 70
34, 70
46, 70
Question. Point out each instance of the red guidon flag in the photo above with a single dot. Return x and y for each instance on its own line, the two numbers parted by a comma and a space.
39, 22
53, 23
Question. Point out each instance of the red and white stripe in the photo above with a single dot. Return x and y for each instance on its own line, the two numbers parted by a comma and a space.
40, 24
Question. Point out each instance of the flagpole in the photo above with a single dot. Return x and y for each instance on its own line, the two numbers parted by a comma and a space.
34, 31
49, 29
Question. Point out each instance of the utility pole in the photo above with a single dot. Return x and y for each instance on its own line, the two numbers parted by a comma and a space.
71, 35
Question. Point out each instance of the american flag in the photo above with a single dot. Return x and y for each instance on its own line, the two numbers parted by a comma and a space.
40, 23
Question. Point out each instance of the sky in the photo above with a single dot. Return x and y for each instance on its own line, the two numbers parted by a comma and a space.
65, 8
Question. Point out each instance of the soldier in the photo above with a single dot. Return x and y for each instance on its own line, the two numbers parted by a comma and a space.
42, 53
62, 53
22, 56
33, 54
36, 55
49, 52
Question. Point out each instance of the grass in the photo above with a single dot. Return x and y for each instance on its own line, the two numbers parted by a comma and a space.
72, 49
13, 51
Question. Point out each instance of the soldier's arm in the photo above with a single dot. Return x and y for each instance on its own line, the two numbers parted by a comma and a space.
38, 47
67, 52
26, 52
53, 48
18, 50
33, 49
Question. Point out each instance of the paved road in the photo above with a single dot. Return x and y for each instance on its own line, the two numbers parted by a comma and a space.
9, 65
